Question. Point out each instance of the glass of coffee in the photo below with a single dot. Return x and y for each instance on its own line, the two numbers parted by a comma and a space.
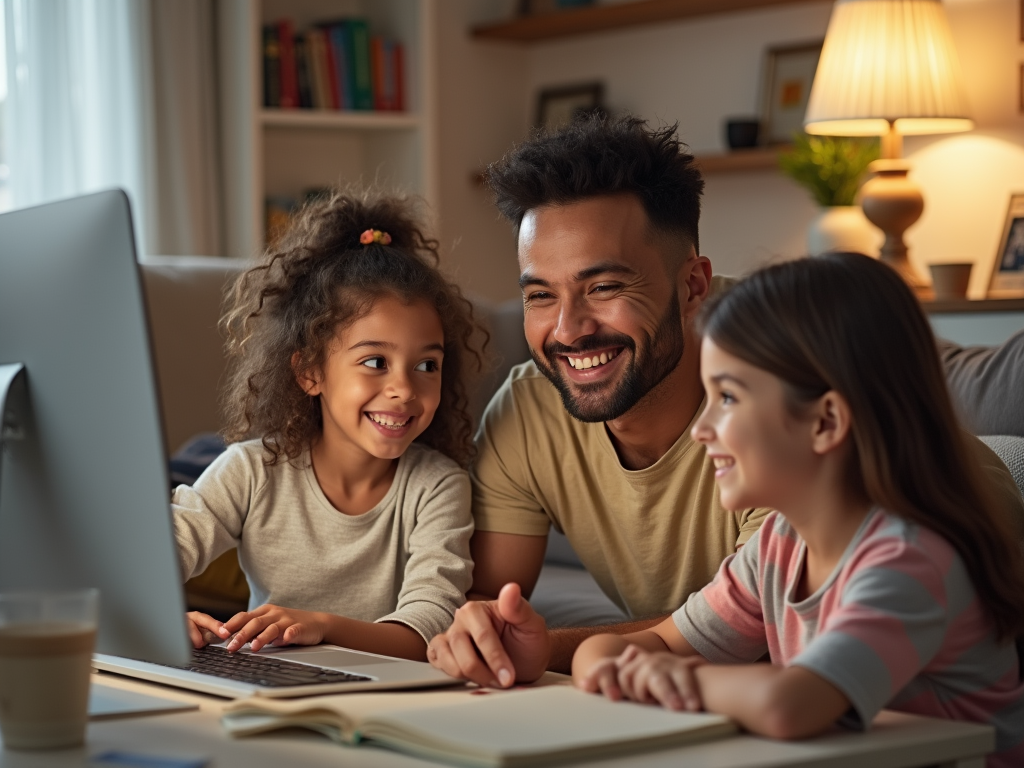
46, 643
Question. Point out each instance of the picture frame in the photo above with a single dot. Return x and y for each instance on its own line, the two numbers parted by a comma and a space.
558, 106
786, 87
1007, 279
1020, 90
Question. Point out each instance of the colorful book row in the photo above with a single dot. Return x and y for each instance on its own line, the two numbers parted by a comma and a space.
332, 65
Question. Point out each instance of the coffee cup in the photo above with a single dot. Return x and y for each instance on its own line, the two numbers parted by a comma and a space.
46, 644
950, 281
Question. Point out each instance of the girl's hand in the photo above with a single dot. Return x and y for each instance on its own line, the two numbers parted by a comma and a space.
203, 629
273, 625
603, 678
660, 678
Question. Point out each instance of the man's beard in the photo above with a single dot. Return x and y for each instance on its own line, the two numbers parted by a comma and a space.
656, 359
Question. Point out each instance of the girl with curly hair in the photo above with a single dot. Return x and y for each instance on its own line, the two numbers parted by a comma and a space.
344, 488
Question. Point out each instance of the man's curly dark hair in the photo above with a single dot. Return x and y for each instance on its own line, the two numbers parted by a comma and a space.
598, 155
319, 278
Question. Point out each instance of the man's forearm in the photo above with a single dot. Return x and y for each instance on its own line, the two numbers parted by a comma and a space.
565, 641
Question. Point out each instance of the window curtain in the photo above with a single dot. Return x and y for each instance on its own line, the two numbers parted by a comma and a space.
105, 93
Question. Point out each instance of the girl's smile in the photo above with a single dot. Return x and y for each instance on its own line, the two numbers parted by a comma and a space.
391, 424
381, 384
762, 454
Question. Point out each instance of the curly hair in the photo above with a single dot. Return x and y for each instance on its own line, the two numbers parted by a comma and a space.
317, 279
598, 155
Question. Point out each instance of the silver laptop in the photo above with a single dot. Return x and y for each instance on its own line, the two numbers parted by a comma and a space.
83, 474
283, 672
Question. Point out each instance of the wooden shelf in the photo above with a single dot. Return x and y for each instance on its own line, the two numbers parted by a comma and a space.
598, 18
962, 306
322, 118
754, 159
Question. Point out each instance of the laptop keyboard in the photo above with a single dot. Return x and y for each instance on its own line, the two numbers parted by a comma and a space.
266, 671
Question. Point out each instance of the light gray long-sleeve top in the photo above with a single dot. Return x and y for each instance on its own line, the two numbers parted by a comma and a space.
406, 560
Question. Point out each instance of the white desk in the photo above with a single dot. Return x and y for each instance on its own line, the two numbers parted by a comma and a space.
896, 741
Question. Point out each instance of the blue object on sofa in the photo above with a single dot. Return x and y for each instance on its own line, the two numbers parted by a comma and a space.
189, 461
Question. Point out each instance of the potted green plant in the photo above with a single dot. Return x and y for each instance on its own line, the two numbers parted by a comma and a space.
831, 169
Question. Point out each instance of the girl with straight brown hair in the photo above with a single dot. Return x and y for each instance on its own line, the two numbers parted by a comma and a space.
887, 577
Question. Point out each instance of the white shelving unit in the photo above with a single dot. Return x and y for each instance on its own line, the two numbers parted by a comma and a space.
282, 152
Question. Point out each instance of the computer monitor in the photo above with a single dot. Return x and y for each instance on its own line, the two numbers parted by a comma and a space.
83, 481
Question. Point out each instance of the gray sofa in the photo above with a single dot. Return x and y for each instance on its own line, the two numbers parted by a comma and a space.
184, 297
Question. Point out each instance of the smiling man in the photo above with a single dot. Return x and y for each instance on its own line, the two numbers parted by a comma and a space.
593, 435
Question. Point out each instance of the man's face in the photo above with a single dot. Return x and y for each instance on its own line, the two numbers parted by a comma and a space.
602, 302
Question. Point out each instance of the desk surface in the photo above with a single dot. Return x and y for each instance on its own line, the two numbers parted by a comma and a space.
895, 741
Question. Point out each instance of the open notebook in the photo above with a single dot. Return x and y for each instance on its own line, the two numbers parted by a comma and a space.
521, 727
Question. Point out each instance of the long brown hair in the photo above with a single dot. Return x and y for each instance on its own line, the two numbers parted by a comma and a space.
319, 278
848, 323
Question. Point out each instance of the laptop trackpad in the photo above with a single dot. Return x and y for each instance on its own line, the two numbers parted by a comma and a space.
336, 659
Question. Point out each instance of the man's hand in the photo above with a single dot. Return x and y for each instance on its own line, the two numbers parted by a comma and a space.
204, 629
273, 625
495, 643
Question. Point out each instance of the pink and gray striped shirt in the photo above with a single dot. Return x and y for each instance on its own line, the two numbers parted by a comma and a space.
896, 625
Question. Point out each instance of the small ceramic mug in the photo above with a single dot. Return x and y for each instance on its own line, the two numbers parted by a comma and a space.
950, 281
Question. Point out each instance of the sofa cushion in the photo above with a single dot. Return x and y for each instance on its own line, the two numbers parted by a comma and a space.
569, 597
1009, 448
184, 295
986, 385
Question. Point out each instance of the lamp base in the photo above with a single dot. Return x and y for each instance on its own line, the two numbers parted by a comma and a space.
906, 270
893, 202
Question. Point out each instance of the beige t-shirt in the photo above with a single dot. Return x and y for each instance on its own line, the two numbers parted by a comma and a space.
649, 537
406, 560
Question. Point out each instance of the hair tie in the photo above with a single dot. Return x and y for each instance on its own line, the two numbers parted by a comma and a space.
375, 236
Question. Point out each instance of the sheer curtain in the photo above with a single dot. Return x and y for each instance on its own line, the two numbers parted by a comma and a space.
105, 93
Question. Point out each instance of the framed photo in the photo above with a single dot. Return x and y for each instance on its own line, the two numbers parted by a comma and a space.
1008, 271
557, 107
788, 75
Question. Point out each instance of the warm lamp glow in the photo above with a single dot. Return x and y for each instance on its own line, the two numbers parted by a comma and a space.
906, 126
888, 68
887, 63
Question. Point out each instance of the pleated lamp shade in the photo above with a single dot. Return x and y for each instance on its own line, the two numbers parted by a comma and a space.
887, 64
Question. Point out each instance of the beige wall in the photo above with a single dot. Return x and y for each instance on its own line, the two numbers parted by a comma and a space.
698, 72
482, 93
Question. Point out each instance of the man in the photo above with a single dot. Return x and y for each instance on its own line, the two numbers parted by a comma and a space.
593, 435
606, 215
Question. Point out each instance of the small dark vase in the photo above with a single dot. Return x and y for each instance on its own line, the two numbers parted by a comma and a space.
741, 133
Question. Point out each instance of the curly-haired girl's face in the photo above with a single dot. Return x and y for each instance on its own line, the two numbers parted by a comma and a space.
381, 384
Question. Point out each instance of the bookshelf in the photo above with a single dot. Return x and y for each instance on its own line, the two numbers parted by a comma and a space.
321, 118
283, 152
601, 18
736, 160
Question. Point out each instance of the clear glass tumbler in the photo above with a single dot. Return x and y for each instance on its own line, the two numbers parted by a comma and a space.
46, 645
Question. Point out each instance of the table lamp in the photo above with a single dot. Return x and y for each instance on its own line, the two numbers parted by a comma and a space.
888, 68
